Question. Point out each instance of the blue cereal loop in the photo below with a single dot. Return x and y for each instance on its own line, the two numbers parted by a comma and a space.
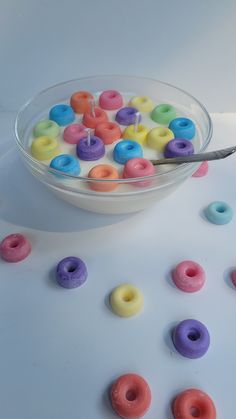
219, 212
183, 128
126, 150
62, 114
66, 163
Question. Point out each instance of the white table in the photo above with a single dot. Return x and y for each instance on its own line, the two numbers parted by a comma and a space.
61, 349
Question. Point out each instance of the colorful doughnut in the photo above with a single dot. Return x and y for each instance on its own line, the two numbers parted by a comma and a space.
139, 167
142, 103
110, 100
163, 114
191, 338
71, 272
130, 396
126, 150
158, 137
15, 248
193, 403
46, 128
44, 148
73, 133
90, 151
233, 277
202, 170
62, 114
105, 172
219, 213
80, 101
108, 132
91, 121
127, 116
66, 163
183, 128
126, 300
139, 134
189, 276
178, 147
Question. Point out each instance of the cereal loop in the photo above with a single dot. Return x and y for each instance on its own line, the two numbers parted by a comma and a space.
15, 248
193, 403
126, 300
189, 276
130, 396
103, 171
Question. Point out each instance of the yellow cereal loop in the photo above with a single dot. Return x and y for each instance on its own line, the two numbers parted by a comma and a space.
44, 148
142, 103
158, 137
139, 135
126, 300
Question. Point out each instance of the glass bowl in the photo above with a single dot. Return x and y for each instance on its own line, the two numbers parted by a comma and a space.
129, 195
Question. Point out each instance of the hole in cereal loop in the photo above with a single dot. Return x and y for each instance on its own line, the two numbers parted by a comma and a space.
195, 412
191, 272
193, 335
131, 395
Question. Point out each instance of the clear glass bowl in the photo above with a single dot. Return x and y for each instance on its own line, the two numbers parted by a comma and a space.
127, 197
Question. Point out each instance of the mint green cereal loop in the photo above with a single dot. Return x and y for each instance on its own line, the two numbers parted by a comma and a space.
163, 114
46, 128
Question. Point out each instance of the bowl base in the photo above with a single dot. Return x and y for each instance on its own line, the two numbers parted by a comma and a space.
114, 205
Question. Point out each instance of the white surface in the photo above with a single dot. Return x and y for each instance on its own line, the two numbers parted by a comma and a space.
190, 44
61, 349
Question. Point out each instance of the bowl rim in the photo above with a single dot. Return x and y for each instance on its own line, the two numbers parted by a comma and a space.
179, 169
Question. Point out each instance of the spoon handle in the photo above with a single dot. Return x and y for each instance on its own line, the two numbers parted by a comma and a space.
211, 155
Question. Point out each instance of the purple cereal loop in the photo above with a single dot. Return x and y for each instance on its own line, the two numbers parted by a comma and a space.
191, 338
178, 147
89, 152
127, 116
71, 272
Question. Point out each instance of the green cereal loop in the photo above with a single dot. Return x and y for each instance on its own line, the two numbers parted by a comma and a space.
163, 114
46, 128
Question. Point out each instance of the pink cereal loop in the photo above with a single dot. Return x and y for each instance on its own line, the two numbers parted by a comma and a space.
202, 170
189, 276
233, 277
73, 133
15, 248
139, 167
110, 100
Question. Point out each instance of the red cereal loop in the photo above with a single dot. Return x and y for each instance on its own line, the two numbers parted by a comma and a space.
193, 403
130, 396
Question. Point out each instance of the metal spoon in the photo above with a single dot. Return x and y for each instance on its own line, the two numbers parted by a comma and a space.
211, 155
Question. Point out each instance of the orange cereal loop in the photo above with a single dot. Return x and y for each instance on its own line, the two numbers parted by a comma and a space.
80, 101
193, 403
91, 121
103, 171
108, 132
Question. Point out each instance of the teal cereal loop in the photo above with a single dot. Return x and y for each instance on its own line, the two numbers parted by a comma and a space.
219, 213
